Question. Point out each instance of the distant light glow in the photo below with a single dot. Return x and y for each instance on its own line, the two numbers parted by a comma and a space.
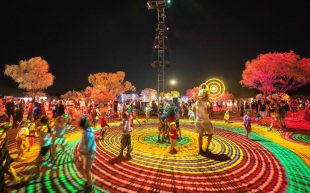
173, 82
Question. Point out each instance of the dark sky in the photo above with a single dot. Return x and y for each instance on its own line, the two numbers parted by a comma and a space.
207, 38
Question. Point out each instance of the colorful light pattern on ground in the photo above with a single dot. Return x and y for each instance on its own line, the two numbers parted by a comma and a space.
297, 137
261, 163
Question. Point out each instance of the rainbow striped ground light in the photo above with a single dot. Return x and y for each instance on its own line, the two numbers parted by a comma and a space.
235, 164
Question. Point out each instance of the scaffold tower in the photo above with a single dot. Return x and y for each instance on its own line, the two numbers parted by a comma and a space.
160, 40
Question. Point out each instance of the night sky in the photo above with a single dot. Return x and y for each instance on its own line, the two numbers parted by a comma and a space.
206, 39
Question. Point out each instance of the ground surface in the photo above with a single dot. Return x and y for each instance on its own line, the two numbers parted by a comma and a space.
266, 162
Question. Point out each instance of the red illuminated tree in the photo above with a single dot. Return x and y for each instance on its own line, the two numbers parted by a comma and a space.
192, 93
32, 75
276, 72
226, 96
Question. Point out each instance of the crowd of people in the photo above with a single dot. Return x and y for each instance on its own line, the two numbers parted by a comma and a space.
35, 123
49, 120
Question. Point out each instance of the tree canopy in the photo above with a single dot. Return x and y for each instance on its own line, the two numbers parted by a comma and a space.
276, 72
32, 75
107, 86
149, 94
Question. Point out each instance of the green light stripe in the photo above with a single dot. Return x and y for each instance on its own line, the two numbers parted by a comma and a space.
298, 173
71, 161
63, 178
65, 160
47, 182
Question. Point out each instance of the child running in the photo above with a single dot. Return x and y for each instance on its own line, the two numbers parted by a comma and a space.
104, 126
226, 116
173, 137
126, 135
45, 135
162, 128
171, 118
247, 124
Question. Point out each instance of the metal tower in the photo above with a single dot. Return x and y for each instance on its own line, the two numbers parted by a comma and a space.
160, 40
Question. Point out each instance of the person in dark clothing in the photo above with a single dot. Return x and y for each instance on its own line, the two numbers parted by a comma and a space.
262, 107
37, 112
60, 109
10, 108
241, 108
283, 108
19, 112
253, 107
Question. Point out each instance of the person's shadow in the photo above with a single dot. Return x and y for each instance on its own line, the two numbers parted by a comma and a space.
217, 157
119, 159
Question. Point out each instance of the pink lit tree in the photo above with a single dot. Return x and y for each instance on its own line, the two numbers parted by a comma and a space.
192, 93
276, 72
226, 96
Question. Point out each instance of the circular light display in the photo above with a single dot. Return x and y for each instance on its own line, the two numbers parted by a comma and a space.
234, 164
217, 88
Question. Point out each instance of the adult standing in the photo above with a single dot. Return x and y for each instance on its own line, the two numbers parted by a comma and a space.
203, 124
253, 107
241, 107
30, 108
19, 112
120, 108
82, 106
262, 107
283, 108
274, 113
294, 109
54, 107
60, 109
10, 108
37, 111
247, 107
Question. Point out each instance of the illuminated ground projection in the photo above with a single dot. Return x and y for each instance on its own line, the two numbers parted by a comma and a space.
236, 164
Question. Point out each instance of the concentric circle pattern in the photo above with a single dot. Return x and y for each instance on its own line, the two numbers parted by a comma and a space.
216, 88
235, 164
152, 139
301, 138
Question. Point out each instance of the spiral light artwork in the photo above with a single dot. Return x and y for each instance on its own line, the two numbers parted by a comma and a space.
216, 88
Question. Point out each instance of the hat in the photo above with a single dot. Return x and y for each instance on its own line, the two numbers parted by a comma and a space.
172, 123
